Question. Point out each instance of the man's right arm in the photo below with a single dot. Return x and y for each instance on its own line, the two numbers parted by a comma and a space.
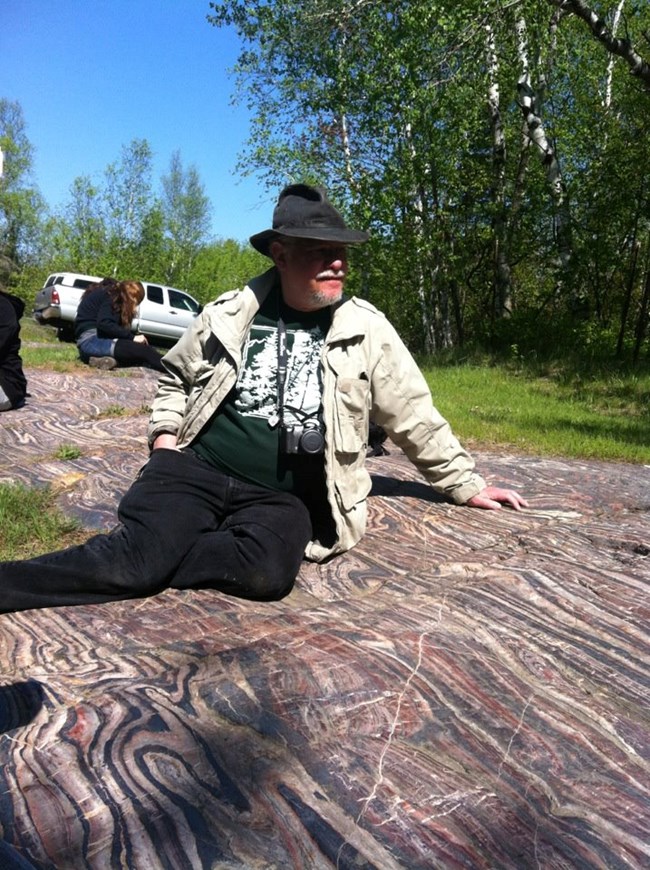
174, 386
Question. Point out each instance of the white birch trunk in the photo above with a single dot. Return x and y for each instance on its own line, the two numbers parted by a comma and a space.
610, 62
527, 100
620, 47
347, 152
502, 274
424, 293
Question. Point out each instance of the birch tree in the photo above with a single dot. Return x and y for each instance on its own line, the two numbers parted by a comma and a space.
529, 98
186, 215
621, 46
21, 205
127, 192
341, 96
81, 235
475, 151
502, 276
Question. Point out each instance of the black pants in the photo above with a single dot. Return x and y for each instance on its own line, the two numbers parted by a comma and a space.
133, 353
184, 525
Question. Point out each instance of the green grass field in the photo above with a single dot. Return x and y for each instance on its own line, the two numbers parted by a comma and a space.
604, 417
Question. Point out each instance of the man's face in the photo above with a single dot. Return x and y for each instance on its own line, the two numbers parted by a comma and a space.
312, 273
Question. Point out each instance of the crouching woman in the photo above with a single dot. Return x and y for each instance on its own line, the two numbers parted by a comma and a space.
103, 330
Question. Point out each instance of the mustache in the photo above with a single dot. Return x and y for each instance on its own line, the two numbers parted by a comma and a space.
330, 274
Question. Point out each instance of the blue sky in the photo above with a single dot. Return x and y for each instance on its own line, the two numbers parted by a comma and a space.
91, 75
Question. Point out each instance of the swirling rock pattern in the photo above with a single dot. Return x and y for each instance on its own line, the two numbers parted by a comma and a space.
464, 689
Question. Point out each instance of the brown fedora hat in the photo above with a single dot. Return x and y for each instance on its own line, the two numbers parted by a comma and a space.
304, 212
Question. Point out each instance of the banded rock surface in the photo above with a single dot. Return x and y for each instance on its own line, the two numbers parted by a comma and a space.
464, 689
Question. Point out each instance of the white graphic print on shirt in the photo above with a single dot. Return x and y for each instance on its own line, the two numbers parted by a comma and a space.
257, 387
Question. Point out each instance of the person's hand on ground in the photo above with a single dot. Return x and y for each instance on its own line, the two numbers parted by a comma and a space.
493, 498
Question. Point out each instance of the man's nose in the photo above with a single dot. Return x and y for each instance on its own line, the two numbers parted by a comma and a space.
337, 261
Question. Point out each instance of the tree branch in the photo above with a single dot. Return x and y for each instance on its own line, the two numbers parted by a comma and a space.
621, 47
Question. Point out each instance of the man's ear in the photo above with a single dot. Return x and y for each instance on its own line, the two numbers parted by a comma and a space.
278, 254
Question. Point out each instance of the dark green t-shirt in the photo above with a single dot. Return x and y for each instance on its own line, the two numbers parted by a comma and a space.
243, 437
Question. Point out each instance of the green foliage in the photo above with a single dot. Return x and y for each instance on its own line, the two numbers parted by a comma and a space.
186, 212
27, 282
120, 228
151, 258
21, 205
127, 193
387, 104
79, 237
67, 451
223, 265
497, 152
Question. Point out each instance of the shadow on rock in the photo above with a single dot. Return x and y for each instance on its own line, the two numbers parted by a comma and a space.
19, 704
396, 488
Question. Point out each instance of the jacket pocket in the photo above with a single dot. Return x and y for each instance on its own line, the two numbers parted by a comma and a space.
352, 487
352, 412
352, 405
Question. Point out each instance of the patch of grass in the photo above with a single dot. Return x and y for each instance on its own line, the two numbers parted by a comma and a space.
30, 330
31, 524
121, 411
114, 411
42, 349
59, 358
68, 451
601, 417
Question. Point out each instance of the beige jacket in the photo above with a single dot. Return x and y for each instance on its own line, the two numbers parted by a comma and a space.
367, 373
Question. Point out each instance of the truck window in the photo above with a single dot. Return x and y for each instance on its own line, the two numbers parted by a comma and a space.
182, 301
155, 294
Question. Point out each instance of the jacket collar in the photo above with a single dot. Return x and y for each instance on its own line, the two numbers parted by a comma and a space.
345, 326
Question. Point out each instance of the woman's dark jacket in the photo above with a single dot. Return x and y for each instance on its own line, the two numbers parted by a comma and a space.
12, 378
96, 311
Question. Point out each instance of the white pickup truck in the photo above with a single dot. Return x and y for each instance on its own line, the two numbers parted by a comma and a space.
163, 315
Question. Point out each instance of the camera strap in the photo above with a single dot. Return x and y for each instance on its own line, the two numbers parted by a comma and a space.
283, 361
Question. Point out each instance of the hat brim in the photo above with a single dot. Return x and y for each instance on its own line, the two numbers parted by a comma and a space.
261, 241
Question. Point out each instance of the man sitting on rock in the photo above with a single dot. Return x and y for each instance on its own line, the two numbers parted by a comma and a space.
259, 435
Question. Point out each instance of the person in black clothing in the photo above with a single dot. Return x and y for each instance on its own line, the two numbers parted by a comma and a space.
13, 384
103, 327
